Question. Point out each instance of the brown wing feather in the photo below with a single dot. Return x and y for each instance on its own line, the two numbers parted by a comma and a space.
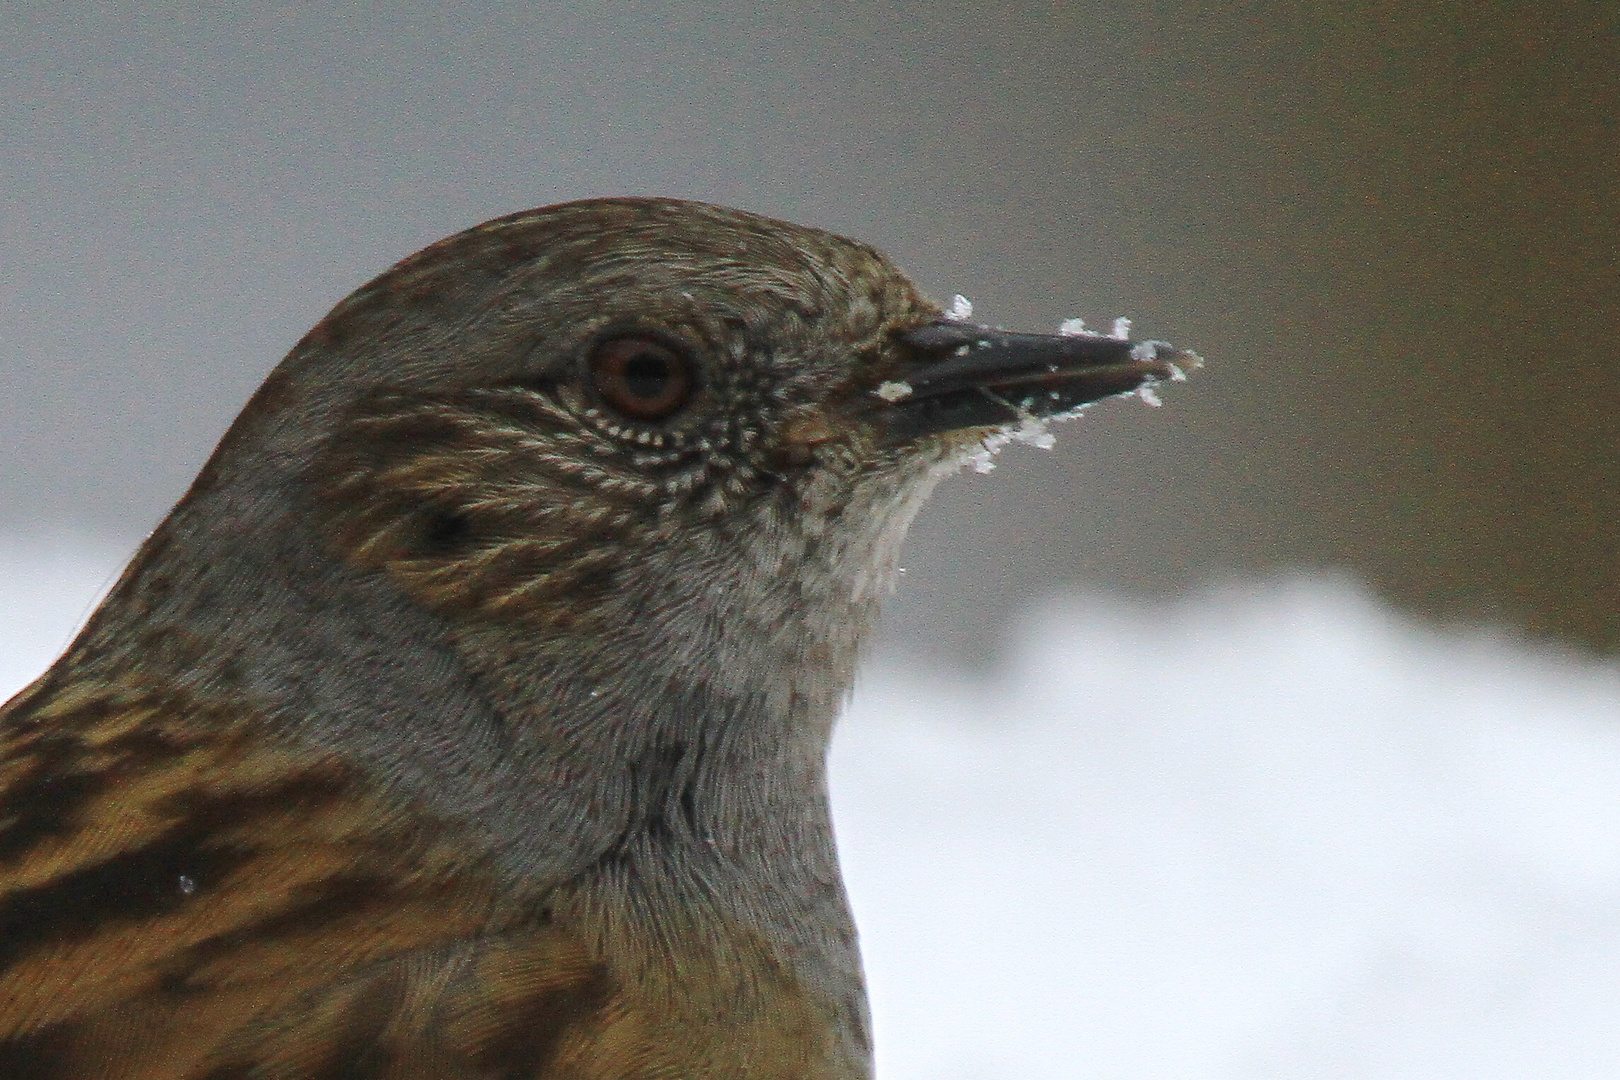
180, 899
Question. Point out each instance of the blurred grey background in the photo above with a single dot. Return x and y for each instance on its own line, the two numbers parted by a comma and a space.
1391, 229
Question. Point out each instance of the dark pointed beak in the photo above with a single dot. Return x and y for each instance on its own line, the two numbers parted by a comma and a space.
967, 376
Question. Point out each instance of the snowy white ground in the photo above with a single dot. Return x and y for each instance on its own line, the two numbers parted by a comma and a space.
1271, 832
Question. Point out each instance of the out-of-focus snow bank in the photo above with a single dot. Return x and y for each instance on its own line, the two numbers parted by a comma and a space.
1269, 833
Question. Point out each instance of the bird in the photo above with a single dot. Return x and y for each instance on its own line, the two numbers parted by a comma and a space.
467, 717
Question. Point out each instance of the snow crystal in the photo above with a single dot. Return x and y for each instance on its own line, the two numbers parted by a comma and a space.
1033, 432
1122, 329
1149, 395
1074, 328
893, 391
1144, 352
1030, 431
961, 307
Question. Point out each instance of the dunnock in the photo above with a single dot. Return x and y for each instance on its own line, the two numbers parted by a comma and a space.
467, 718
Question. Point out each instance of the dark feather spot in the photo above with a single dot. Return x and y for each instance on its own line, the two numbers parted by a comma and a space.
531, 1031
142, 882
332, 900
128, 887
44, 802
443, 533
235, 1070
359, 1050
39, 1055
596, 579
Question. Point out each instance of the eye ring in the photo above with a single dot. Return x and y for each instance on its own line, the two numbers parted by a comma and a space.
641, 377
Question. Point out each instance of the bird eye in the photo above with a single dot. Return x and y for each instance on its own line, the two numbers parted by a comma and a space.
641, 378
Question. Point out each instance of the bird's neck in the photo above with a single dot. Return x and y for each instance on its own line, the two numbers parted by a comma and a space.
658, 785
692, 728
716, 703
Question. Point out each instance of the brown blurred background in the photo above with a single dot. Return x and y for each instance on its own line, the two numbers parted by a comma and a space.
1390, 227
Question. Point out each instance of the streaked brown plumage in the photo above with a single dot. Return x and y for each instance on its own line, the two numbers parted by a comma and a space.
467, 717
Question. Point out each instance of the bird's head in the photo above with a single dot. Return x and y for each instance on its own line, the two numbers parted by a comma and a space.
692, 432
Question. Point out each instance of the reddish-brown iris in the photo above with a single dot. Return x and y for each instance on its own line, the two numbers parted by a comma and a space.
640, 377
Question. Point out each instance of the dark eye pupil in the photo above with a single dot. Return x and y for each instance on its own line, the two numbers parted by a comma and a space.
641, 378
646, 375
